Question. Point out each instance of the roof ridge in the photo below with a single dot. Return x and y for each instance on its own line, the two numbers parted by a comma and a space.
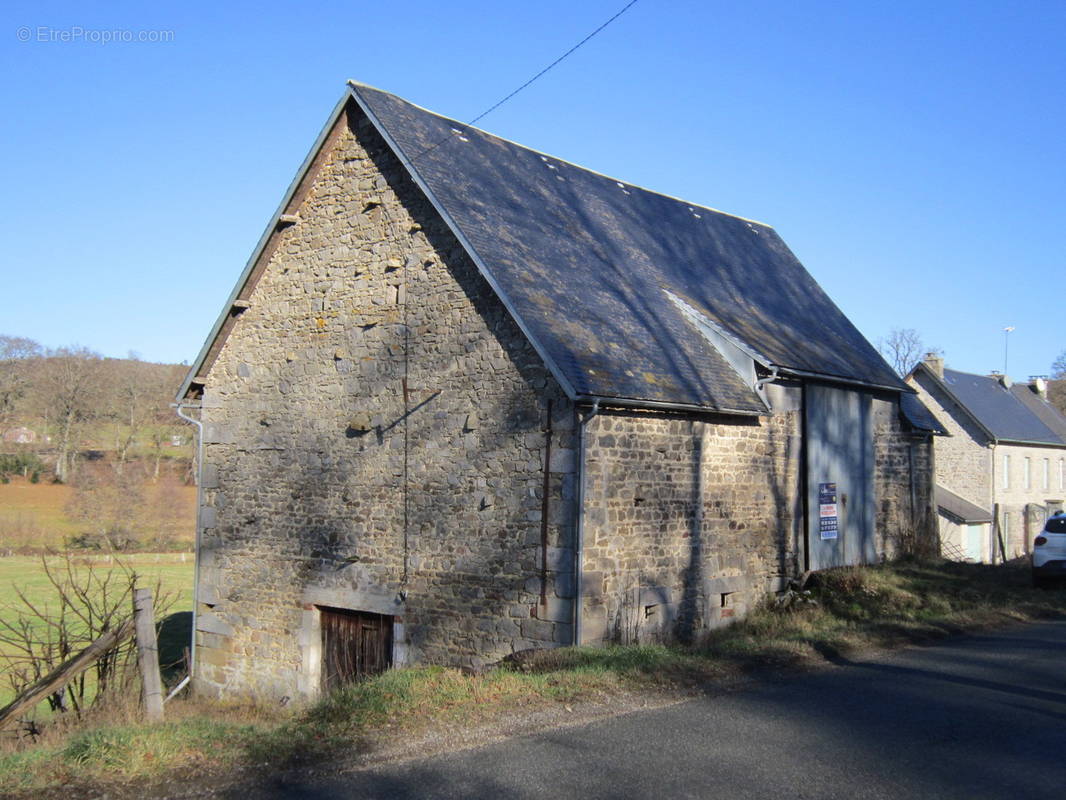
467, 127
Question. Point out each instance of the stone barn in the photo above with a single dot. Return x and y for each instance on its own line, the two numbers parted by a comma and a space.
468, 399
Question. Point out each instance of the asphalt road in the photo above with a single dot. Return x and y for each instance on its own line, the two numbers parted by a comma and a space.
976, 717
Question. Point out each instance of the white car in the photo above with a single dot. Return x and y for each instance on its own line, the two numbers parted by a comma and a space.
1049, 551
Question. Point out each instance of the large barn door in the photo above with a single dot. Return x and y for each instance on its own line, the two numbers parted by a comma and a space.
840, 477
354, 644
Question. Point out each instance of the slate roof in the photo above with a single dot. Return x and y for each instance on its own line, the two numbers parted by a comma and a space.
585, 263
627, 294
999, 410
918, 416
1047, 413
959, 507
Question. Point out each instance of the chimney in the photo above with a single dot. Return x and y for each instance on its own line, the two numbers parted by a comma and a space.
935, 363
1004, 381
1038, 385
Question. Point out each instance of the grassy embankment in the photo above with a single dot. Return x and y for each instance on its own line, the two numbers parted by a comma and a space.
854, 610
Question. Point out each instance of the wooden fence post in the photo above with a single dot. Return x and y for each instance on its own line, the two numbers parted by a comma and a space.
148, 653
64, 673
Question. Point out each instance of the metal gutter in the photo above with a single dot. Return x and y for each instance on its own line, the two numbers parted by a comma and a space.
800, 373
656, 405
760, 385
1031, 443
260, 246
199, 507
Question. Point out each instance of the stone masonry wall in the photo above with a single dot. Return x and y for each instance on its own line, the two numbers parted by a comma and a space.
687, 522
375, 440
906, 515
962, 458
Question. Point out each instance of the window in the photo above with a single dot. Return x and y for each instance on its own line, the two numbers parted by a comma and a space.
1027, 478
1047, 473
1004, 478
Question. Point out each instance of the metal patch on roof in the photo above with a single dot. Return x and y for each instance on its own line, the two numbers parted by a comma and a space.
737, 357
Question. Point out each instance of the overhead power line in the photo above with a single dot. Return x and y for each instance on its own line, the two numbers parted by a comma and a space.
540, 74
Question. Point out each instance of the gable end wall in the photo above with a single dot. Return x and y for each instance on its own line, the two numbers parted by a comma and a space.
324, 486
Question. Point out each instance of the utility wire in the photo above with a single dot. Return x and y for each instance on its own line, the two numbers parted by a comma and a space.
499, 103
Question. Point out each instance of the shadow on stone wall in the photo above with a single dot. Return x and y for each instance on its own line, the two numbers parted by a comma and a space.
434, 496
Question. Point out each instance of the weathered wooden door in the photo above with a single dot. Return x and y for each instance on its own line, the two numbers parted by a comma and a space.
354, 644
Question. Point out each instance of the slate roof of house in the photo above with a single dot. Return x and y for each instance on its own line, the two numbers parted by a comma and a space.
1047, 413
1000, 410
919, 417
623, 291
959, 507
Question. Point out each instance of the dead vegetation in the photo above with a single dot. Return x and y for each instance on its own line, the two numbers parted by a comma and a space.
37, 636
847, 611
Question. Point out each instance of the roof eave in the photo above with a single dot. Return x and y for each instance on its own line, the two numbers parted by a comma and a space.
658, 405
799, 373
1030, 443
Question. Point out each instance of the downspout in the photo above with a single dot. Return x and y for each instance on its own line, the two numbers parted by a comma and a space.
178, 407
580, 536
759, 384
993, 529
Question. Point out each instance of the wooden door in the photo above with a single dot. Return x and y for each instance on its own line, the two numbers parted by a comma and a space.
354, 644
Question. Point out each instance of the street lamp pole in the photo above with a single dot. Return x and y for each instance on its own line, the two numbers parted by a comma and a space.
1006, 335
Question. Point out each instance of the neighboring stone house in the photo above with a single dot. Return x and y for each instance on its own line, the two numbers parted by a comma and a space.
467, 399
1002, 469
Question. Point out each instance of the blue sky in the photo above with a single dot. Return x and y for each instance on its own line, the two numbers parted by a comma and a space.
910, 153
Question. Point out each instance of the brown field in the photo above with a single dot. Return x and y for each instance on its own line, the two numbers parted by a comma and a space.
33, 516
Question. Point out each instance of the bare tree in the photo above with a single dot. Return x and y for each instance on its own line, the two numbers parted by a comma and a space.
16, 356
1056, 393
903, 349
68, 384
131, 401
162, 425
85, 601
109, 505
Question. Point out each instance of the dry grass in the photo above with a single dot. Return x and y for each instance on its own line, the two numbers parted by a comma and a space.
34, 516
851, 610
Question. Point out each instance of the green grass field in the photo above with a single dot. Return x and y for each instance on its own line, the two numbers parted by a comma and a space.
26, 574
174, 571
